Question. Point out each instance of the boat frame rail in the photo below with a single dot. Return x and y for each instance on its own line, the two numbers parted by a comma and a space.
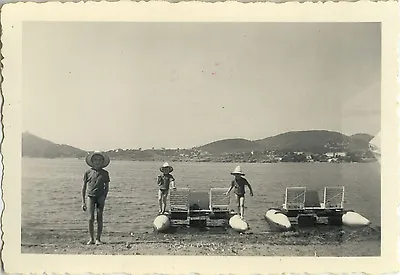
304, 205
199, 208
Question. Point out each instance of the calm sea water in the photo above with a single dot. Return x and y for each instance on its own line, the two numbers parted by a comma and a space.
51, 190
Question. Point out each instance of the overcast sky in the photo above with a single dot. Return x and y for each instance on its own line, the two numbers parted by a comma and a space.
100, 86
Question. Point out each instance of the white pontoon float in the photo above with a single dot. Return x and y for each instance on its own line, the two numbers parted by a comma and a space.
303, 207
199, 209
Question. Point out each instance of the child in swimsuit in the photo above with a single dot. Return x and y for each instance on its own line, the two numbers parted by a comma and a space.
164, 181
95, 188
239, 183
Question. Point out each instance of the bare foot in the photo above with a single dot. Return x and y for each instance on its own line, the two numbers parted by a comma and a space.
90, 242
98, 242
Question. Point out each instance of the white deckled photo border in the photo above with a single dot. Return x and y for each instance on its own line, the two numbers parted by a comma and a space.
13, 15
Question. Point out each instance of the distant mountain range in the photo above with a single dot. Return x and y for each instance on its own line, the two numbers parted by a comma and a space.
33, 146
313, 141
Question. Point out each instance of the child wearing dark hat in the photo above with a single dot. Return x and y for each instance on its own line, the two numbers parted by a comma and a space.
95, 189
164, 181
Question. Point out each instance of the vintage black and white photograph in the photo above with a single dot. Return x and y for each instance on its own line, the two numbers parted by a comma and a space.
201, 138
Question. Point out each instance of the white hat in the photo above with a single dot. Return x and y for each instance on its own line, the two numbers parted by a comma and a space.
167, 167
238, 171
105, 158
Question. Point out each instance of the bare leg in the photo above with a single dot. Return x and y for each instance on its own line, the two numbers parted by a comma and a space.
241, 202
99, 225
91, 219
238, 203
160, 201
164, 202
91, 231
100, 209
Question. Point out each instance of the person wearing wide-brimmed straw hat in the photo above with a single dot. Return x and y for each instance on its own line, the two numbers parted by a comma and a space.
95, 188
164, 181
239, 183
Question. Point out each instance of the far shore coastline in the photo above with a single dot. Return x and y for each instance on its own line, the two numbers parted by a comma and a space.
208, 161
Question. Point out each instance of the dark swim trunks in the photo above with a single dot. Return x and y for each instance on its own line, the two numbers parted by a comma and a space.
164, 181
95, 203
99, 202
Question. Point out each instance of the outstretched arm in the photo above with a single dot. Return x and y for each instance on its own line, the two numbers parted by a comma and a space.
229, 190
106, 186
173, 184
172, 181
84, 196
251, 190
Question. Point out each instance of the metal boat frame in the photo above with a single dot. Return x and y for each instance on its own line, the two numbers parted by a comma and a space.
196, 208
304, 207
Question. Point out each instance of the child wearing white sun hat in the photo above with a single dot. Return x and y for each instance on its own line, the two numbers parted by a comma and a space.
164, 181
239, 183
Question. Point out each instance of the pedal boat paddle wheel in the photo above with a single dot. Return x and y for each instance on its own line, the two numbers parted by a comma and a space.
303, 207
199, 209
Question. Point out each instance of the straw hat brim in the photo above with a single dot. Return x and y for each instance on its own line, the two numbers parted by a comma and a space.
170, 169
236, 173
105, 157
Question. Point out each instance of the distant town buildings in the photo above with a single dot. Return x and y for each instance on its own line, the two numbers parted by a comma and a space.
197, 155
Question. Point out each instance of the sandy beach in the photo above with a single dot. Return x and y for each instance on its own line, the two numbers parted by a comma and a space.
319, 242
